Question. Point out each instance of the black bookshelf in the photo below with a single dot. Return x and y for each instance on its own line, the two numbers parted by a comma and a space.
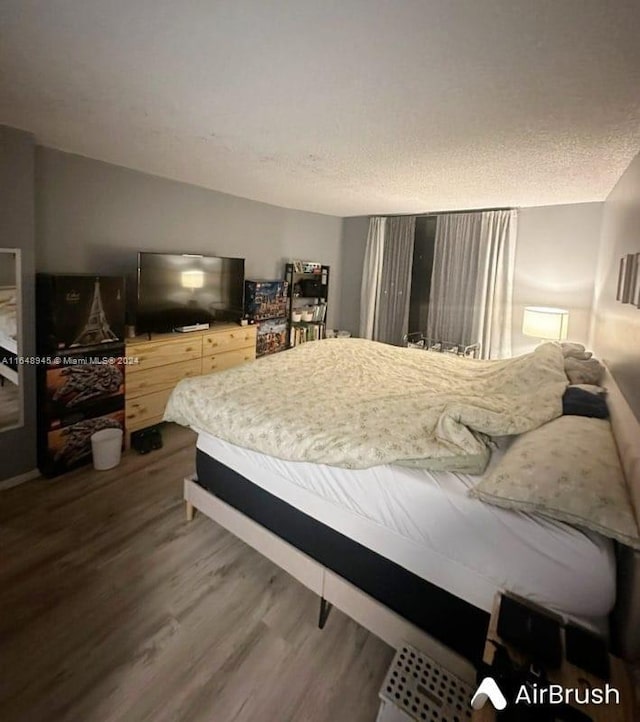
307, 301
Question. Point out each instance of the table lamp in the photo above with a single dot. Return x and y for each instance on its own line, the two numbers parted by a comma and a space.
547, 324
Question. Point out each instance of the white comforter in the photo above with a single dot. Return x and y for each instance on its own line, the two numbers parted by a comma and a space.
354, 403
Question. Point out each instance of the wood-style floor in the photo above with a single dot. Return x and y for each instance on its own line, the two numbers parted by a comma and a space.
112, 607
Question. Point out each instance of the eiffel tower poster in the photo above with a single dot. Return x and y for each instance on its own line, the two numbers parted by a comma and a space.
96, 330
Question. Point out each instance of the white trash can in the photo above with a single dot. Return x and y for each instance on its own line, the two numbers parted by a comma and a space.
106, 446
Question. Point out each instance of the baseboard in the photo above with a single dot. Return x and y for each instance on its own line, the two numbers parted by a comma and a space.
20, 479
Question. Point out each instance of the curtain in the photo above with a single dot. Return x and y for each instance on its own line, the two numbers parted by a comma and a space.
494, 289
392, 318
386, 279
472, 280
453, 279
371, 273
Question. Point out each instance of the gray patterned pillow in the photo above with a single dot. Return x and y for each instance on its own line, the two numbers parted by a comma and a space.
569, 470
586, 371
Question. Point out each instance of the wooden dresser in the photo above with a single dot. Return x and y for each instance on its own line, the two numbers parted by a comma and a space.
167, 358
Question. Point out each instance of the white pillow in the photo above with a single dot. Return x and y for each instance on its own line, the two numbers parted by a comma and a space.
588, 371
569, 470
575, 350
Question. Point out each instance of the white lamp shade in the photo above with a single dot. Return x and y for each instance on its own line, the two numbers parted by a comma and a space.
549, 324
192, 279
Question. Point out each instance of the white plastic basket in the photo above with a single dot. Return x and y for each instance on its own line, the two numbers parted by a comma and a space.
422, 690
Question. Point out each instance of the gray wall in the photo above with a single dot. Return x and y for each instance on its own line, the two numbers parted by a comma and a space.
18, 446
556, 258
354, 243
92, 216
616, 326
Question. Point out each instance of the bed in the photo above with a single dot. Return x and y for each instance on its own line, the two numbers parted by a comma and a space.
402, 548
8, 335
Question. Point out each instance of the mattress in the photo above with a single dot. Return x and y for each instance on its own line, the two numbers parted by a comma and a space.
425, 522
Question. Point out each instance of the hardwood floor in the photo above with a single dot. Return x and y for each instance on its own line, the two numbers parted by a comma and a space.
113, 607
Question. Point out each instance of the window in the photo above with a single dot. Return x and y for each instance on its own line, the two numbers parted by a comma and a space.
423, 250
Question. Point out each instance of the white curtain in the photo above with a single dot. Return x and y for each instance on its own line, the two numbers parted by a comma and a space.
472, 280
386, 279
371, 274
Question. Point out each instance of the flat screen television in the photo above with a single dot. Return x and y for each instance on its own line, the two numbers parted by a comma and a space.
177, 290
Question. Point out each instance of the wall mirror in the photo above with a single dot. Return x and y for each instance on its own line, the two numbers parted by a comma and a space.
11, 372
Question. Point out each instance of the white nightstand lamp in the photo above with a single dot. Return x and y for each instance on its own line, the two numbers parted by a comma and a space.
547, 324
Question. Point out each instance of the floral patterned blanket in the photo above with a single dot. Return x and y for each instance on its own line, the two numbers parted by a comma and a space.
355, 403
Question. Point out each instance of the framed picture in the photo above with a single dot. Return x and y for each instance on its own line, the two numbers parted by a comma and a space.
625, 278
635, 280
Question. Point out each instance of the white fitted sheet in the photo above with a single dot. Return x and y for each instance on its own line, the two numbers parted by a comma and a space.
425, 522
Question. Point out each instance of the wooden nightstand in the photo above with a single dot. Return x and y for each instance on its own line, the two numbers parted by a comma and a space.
569, 677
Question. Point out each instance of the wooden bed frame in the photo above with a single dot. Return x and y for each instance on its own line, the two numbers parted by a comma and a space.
392, 628
331, 588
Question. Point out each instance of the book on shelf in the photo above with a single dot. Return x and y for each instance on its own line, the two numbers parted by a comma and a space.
306, 266
308, 332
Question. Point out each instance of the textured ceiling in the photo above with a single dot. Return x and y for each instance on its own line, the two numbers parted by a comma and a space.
345, 107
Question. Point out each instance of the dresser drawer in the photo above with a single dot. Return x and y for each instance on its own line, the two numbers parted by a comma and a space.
145, 410
161, 377
159, 353
230, 340
221, 361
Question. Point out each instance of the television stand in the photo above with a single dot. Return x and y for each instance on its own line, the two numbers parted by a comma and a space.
192, 327
169, 357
